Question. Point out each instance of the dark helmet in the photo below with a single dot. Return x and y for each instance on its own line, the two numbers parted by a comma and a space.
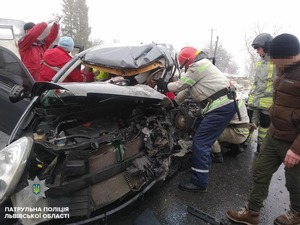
263, 40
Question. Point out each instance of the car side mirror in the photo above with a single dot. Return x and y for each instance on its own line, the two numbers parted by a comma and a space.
17, 93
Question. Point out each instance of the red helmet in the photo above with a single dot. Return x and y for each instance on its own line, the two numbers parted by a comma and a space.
187, 56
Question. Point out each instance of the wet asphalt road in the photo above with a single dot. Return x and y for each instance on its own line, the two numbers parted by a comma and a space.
229, 185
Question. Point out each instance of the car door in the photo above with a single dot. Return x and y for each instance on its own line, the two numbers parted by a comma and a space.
12, 72
8, 39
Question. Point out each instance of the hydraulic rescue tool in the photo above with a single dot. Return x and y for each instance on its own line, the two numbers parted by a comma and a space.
206, 217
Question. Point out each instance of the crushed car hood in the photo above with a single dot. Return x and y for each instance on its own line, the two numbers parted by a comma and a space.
128, 56
83, 89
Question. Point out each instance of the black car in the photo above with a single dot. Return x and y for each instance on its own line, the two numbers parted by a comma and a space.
82, 151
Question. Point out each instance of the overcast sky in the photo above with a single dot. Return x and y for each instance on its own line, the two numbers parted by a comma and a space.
180, 23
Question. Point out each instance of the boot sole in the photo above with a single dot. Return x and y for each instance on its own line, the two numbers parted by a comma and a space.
190, 190
241, 222
276, 223
217, 161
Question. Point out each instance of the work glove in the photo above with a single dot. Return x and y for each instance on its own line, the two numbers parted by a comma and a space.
57, 18
168, 104
175, 104
50, 20
162, 86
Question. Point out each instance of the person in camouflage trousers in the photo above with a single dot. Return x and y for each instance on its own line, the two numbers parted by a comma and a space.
282, 143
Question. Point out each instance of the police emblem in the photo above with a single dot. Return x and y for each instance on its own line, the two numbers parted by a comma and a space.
36, 188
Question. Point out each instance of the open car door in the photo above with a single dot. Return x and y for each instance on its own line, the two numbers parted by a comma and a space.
12, 72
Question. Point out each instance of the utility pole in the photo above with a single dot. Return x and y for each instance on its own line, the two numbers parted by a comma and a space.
211, 40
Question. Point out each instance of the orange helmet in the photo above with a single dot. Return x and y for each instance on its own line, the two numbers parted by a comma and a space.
187, 56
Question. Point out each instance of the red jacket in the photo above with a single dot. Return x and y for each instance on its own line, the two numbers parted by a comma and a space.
57, 57
31, 49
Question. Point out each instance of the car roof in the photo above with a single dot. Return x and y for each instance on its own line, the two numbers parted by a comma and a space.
129, 57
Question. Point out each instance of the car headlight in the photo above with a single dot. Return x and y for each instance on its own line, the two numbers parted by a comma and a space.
13, 159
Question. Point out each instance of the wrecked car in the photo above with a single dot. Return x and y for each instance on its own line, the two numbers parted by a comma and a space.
83, 151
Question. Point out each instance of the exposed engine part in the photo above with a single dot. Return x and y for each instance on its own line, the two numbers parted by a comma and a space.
119, 148
180, 121
39, 135
80, 144
135, 175
186, 116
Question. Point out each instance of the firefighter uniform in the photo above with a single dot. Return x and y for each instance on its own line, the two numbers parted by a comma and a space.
237, 131
208, 87
260, 97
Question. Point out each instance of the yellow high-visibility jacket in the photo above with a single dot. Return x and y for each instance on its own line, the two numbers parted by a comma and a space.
260, 95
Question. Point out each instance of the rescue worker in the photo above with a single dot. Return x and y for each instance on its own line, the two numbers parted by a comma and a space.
260, 96
152, 82
55, 58
233, 135
208, 87
282, 143
31, 49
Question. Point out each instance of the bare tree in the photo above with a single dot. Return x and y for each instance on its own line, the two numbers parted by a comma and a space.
251, 59
96, 41
223, 59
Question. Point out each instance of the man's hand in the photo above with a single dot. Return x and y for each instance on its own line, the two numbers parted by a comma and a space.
162, 86
50, 20
252, 127
291, 159
57, 18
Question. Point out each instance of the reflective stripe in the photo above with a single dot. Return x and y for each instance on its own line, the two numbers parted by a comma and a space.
55, 68
250, 99
265, 102
250, 135
187, 81
202, 68
242, 131
269, 85
258, 64
246, 132
200, 171
262, 132
217, 102
190, 81
240, 103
